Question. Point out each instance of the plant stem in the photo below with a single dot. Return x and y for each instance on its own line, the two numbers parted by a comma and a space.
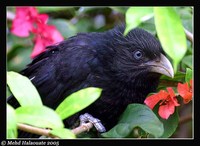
35, 130
189, 35
82, 128
185, 119
46, 132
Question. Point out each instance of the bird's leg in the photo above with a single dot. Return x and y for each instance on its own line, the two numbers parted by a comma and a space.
96, 122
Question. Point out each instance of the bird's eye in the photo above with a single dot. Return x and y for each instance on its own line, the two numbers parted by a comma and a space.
137, 54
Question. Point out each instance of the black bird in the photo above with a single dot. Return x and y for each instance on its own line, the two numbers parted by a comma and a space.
127, 68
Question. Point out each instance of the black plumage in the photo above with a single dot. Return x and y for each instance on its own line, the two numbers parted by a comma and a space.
127, 68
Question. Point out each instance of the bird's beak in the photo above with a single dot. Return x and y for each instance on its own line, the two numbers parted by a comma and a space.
163, 66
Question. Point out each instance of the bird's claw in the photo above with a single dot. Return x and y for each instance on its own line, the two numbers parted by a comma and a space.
96, 122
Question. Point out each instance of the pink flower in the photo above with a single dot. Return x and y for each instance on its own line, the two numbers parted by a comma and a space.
185, 91
167, 104
25, 20
45, 35
29, 20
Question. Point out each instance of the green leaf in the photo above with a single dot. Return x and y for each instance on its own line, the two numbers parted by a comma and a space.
119, 131
136, 115
177, 77
188, 76
8, 93
137, 15
171, 33
170, 125
39, 116
63, 133
23, 90
186, 15
187, 60
78, 101
11, 122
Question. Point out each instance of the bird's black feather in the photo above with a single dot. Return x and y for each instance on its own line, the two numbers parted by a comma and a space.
103, 60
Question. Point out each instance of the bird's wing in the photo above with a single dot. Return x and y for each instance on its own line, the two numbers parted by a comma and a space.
58, 72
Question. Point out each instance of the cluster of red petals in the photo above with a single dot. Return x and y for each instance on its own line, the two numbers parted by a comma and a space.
185, 91
167, 99
28, 20
167, 104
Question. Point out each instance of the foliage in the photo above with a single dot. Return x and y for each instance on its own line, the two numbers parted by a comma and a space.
11, 122
16, 83
36, 114
136, 115
166, 23
77, 101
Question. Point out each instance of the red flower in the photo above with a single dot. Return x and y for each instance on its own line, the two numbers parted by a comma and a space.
185, 91
45, 35
167, 104
24, 20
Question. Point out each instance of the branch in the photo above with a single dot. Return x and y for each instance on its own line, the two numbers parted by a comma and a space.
46, 132
82, 128
185, 119
35, 130
189, 35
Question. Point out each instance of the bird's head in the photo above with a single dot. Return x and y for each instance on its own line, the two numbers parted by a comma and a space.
138, 54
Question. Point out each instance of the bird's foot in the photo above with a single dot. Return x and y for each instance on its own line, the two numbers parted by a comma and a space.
96, 122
